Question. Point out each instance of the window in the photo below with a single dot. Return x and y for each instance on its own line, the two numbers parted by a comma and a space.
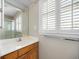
0, 12
0, 20
76, 14
51, 15
13, 25
59, 16
48, 15
65, 14
19, 23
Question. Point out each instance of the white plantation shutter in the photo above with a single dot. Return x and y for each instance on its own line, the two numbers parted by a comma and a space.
60, 17
51, 15
69, 14
48, 15
44, 8
44, 22
75, 14
44, 16
65, 14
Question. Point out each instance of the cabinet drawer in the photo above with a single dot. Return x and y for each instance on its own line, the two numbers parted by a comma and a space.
11, 55
27, 49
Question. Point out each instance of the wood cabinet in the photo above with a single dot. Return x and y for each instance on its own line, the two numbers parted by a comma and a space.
12, 55
30, 55
29, 52
26, 49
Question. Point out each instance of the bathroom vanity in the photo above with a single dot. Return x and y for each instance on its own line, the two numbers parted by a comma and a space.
27, 49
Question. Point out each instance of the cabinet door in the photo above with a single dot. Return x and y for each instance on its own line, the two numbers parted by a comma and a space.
30, 55
11, 56
24, 57
26, 49
33, 54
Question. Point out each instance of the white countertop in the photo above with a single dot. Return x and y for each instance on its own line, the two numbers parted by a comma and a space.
9, 45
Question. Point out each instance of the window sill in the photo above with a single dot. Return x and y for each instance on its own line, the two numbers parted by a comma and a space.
65, 36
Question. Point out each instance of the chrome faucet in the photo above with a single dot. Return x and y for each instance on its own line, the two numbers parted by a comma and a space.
19, 39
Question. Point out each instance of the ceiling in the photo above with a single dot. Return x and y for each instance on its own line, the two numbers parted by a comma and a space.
22, 4
10, 10
13, 6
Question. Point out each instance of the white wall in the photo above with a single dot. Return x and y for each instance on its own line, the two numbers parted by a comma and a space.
52, 48
58, 48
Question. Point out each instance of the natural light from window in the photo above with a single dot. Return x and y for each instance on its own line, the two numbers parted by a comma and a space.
59, 16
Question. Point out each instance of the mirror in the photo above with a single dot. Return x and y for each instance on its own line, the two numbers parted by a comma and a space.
12, 22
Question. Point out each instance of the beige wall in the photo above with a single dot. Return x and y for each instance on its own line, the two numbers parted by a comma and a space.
33, 19
52, 48
25, 22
